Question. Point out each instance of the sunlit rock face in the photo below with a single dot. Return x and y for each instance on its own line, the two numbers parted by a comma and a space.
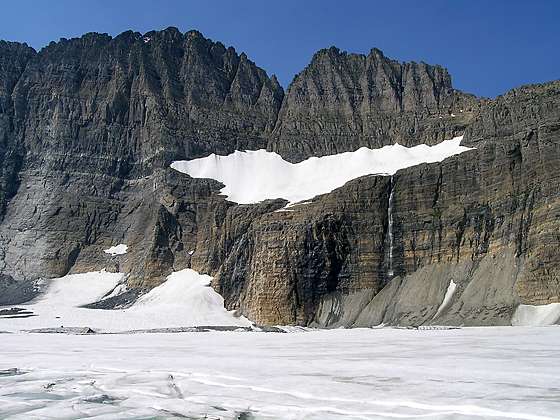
89, 128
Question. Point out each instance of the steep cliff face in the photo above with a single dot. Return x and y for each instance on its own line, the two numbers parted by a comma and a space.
342, 101
522, 129
484, 222
89, 127
13, 59
479, 227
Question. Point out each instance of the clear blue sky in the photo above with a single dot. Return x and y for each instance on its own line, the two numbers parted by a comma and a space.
489, 46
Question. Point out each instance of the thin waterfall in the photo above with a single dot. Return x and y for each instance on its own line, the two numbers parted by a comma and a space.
390, 271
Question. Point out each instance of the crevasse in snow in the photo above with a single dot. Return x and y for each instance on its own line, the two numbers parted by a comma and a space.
254, 176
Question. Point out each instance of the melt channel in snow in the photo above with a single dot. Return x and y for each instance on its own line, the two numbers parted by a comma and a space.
185, 299
253, 176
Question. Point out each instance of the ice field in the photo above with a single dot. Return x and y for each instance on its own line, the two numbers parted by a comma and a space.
493, 372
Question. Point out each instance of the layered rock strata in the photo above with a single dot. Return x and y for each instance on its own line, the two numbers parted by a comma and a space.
89, 127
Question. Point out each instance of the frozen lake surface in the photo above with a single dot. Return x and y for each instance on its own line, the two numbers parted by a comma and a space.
502, 372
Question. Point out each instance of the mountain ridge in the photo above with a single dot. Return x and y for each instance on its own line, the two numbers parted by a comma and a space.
89, 127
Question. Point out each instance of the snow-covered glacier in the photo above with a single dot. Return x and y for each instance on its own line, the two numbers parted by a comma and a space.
253, 176
469, 373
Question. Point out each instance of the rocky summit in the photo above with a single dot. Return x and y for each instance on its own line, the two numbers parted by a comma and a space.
89, 128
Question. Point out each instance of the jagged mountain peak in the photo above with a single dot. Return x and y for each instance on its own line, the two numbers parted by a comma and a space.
357, 100
14, 45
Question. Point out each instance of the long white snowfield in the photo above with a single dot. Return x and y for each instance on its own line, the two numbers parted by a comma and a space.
253, 176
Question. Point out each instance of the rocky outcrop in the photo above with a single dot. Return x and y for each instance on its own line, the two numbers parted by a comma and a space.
292, 257
89, 127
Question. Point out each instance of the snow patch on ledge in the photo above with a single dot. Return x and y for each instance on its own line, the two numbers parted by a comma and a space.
119, 249
447, 298
184, 300
536, 315
253, 176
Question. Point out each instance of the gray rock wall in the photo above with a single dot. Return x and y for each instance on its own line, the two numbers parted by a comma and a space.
89, 126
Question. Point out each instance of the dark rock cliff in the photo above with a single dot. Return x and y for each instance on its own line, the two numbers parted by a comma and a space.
89, 126
342, 101
13, 60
